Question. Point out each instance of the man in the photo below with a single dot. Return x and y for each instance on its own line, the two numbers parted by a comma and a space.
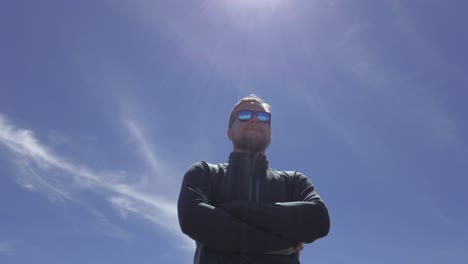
243, 211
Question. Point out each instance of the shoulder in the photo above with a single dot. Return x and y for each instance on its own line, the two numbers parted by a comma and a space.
203, 166
290, 174
197, 166
296, 178
198, 174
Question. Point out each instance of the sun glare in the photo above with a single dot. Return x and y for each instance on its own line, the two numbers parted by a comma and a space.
255, 4
248, 12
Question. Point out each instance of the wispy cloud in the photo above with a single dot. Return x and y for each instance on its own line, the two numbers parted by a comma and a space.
145, 146
37, 164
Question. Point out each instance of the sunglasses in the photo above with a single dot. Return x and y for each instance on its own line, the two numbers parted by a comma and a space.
246, 115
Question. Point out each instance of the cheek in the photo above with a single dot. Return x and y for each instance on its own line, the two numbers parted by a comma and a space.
233, 133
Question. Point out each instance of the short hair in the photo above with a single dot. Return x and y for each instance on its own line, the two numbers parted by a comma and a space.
252, 98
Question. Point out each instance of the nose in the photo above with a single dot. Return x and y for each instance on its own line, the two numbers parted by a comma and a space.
254, 119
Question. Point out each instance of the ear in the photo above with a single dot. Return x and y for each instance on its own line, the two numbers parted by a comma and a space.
229, 134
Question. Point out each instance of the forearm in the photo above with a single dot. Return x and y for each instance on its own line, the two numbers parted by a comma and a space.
296, 221
214, 227
221, 231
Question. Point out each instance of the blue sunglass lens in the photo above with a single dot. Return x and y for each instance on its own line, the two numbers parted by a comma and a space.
244, 115
263, 117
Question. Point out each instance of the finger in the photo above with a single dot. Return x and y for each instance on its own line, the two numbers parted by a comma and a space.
299, 247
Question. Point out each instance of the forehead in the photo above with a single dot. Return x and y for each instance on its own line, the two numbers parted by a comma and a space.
250, 106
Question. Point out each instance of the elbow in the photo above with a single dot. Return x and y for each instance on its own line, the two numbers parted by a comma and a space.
319, 226
324, 226
185, 225
192, 220
189, 226
186, 221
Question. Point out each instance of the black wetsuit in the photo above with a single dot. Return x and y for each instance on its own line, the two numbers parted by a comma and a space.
245, 212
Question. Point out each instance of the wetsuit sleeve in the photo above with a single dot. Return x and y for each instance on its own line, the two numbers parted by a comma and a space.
305, 219
215, 228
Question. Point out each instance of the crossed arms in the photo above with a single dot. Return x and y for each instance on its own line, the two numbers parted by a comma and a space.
246, 226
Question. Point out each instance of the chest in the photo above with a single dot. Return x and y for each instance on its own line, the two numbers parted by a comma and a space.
269, 187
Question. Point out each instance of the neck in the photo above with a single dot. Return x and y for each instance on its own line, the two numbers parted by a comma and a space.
247, 151
242, 158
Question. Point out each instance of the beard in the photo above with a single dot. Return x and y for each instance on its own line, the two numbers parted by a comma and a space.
252, 143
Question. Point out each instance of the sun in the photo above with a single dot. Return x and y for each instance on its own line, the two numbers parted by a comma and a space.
263, 10
260, 4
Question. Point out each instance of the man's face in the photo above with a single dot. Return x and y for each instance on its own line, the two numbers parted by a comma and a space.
251, 135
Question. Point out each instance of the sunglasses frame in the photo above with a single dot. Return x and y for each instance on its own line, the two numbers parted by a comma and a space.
253, 113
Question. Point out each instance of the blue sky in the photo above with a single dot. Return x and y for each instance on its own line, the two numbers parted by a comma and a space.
105, 104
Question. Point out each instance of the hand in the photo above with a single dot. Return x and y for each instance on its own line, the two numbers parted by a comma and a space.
299, 247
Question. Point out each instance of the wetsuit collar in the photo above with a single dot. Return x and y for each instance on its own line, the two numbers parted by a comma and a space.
243, 158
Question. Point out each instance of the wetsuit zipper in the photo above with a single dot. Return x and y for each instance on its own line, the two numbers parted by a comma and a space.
252, 160
253, 181
258, 190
